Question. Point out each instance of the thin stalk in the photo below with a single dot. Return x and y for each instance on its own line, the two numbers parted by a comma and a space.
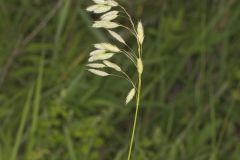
129, 80
130, 30
135, 117
130, 53
131, 50
129, 56
130, 18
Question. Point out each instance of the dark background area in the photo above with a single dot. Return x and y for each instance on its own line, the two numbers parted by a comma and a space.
51, 108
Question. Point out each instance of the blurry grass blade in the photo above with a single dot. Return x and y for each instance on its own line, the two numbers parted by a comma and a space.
36, 108
69, 144
63, 17
22, 125
60, 26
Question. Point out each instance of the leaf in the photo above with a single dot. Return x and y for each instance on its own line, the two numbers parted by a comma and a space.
117, 36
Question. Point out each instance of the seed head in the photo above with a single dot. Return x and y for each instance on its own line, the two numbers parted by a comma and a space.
117, 36
140, 32
130, 95
95, 52
98, 8
99, 1
111, 3
99, 57
112, 65
98, 72
109, 16
96, 65
107, 46
105, 24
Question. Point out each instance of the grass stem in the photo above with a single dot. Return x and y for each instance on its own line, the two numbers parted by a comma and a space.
135, 117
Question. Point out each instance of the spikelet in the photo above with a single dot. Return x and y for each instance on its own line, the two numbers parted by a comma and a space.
112, 65
102, 9
98, 72
93, 7
117, 36
111, 3
95, 52
140, 32
98, 8
96, 65
130, 95
109, 16
99, 1
100, 57
106, 2
107, 46
105, 24
110, 13
139, 66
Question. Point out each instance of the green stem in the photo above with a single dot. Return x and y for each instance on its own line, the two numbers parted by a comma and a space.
135, 118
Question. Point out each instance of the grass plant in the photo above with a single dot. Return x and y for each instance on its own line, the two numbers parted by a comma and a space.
104, 51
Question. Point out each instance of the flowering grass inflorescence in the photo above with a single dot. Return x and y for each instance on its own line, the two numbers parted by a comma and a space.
99, 59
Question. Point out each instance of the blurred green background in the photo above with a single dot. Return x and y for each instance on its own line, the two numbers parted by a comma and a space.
52, 109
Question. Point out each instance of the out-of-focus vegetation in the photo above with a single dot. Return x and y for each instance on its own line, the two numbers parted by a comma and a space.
52, 109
